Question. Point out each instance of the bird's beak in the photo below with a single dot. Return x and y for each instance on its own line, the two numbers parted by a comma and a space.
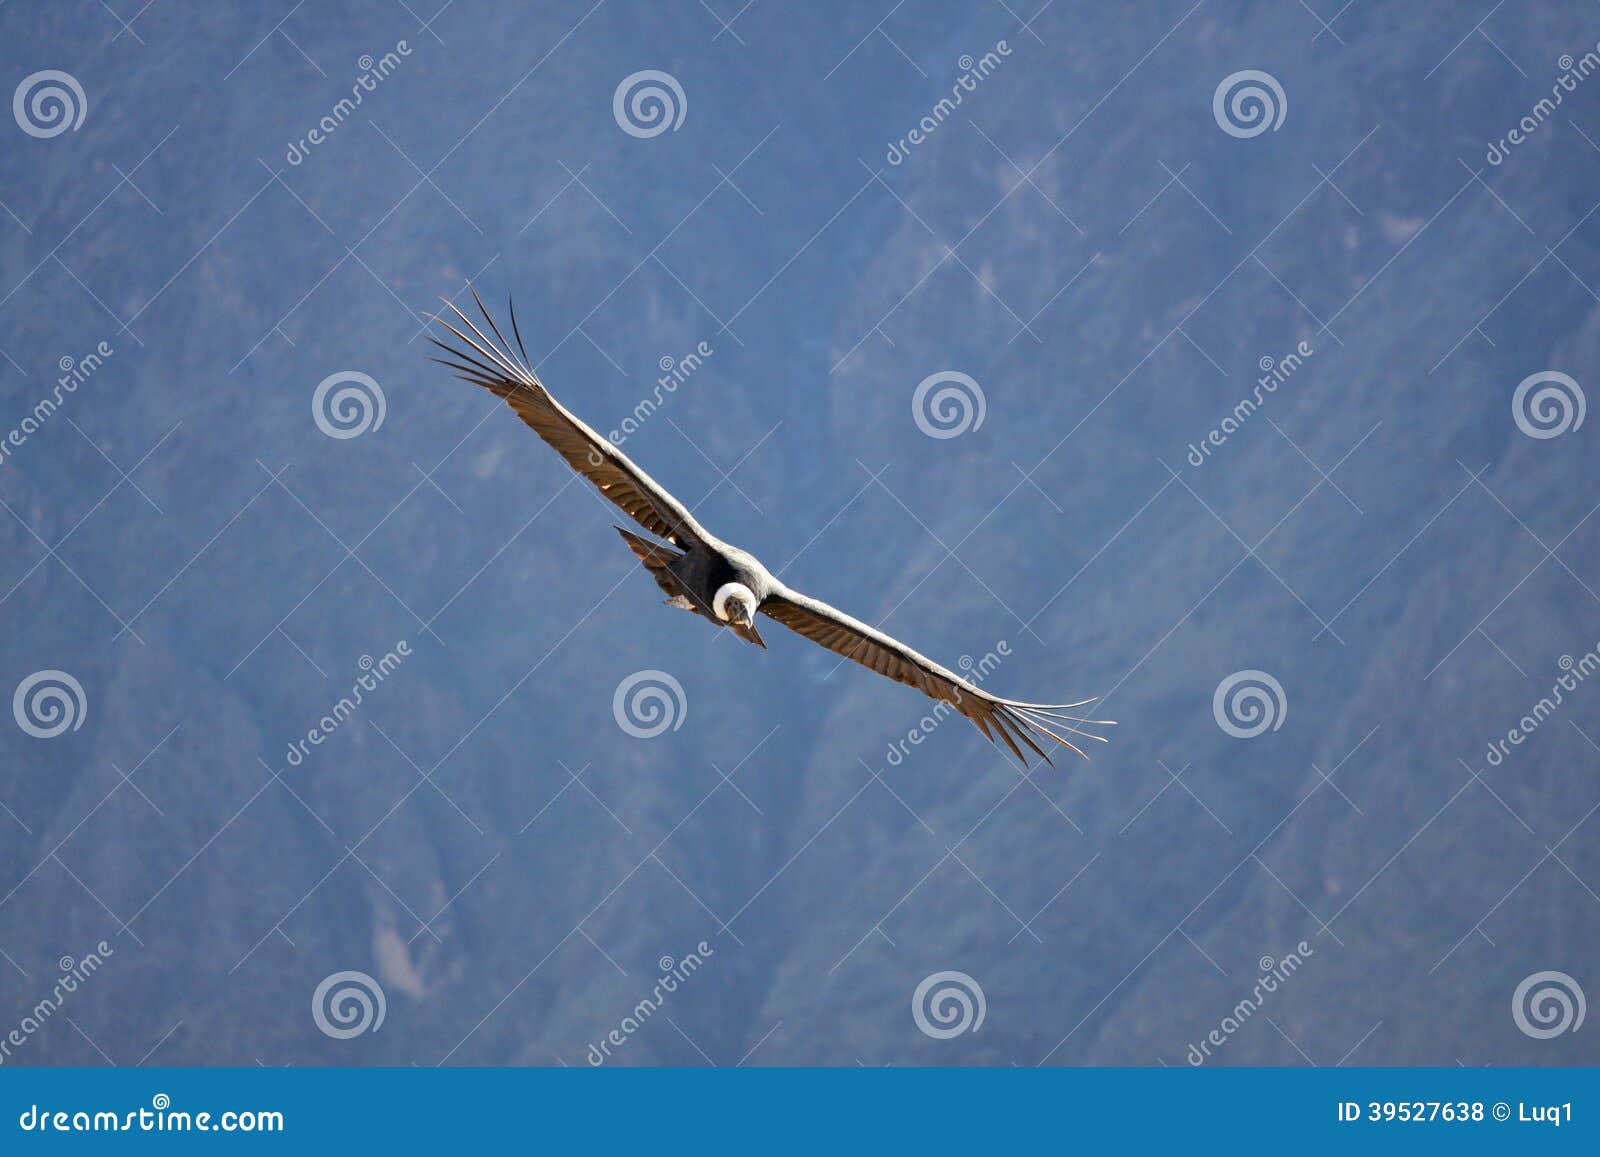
747, 615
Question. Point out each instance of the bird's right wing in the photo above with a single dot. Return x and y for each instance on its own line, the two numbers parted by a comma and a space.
490, 363
1007, 719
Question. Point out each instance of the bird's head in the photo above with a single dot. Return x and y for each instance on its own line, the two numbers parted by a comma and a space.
735, 604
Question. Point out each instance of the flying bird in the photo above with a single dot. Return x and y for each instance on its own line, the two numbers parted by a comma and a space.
729, 587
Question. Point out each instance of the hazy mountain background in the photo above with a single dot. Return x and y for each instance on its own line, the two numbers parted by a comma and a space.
1085, 241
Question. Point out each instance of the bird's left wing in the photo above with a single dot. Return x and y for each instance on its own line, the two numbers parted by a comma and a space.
492, 364
1000, 720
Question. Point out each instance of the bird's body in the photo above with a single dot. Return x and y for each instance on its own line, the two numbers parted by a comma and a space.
692, 578
728, 586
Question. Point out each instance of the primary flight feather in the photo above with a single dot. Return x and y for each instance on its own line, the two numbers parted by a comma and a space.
701, 573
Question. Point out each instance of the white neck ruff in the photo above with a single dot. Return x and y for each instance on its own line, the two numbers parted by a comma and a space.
727, 591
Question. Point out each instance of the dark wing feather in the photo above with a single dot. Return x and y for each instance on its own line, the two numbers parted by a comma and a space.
1000, 720
657, 559
490, 363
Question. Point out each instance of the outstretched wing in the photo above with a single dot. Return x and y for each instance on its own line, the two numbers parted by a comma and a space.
1000, 720
490, 363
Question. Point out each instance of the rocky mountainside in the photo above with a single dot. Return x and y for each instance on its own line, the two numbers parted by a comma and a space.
1249, 407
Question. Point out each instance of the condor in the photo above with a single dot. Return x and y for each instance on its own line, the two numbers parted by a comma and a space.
725, 585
